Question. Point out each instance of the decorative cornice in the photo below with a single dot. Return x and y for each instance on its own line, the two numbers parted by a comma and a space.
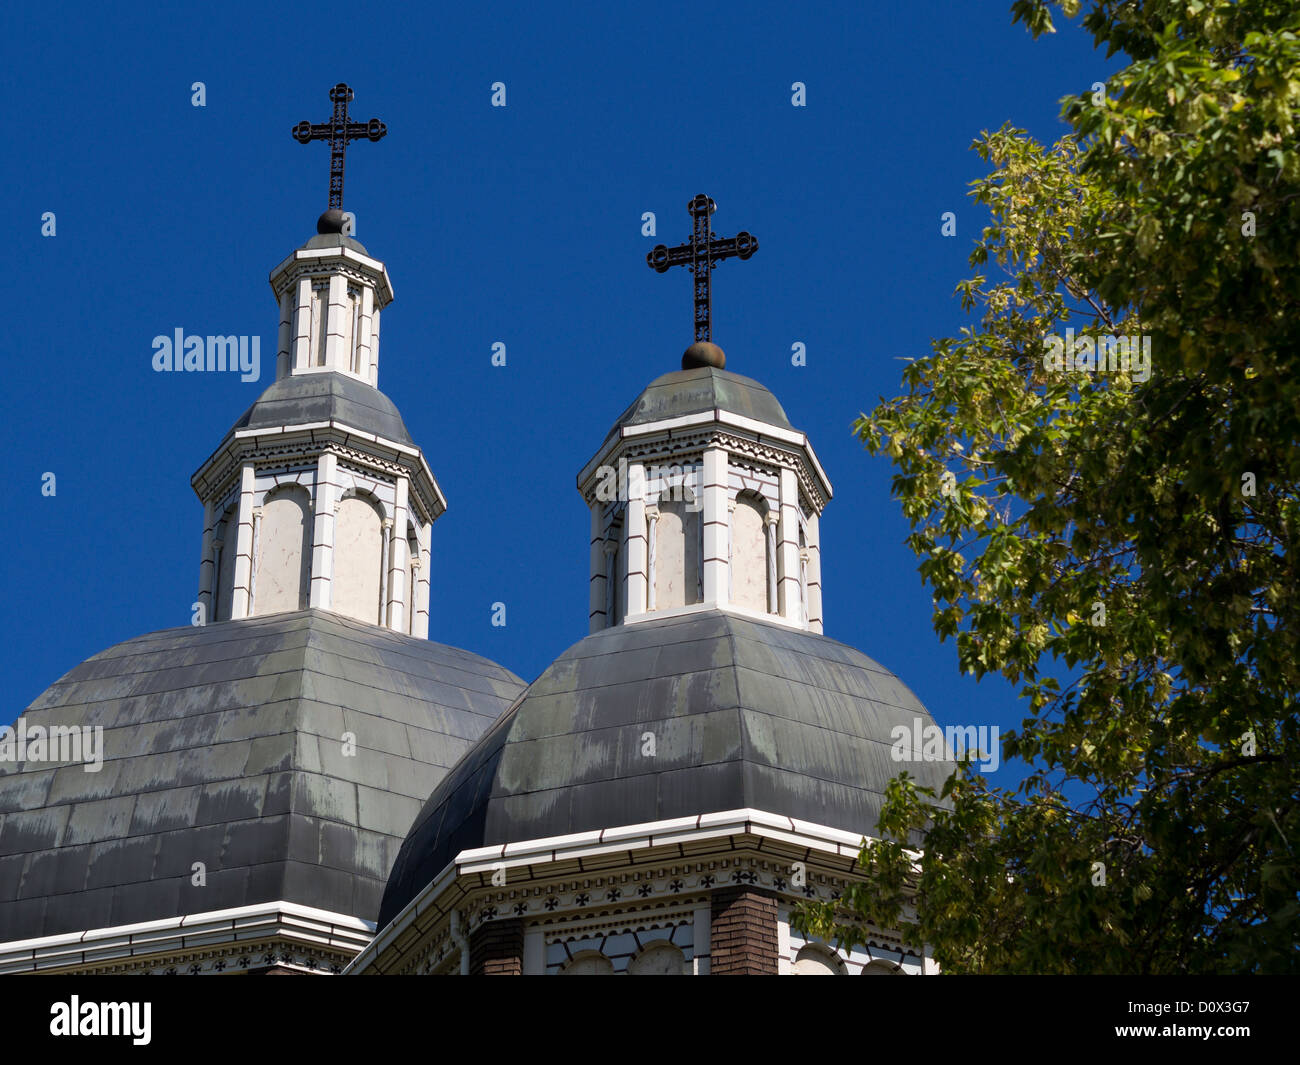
676, 444
312, 940
622, 870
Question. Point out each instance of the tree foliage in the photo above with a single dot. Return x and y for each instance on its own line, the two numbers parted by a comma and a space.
1123, 550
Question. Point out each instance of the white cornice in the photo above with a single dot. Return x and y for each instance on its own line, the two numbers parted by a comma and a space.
534, 861
319, 260
313, 438
735, 433
281, 920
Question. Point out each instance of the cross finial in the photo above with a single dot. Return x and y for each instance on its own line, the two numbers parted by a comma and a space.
701, 254
338, 131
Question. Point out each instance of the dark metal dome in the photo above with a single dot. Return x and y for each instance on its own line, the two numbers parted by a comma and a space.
704, 388
223, 744
300, 399
744, 714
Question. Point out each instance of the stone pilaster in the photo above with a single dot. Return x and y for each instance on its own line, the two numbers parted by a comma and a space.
243, 547
788, 549
597, 617
302, 326
284, 337
325, 498
634, 538
208, 561
420, 626
716, 518
397, 590
814, 573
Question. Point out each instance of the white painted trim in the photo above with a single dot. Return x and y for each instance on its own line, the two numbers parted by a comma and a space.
727, 608
620, 840
287, 920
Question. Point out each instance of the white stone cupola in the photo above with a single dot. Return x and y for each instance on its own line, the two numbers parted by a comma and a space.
318, 497
703, 496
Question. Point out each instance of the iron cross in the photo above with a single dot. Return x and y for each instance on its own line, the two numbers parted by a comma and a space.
338, 131
701, 255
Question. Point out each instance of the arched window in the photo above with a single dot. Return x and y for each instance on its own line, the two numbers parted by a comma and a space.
358, 559
660, 958
879, 967
589, 963
749, 564
283, 552
814, 960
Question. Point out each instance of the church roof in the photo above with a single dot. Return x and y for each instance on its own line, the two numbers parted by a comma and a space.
223, 744
705, 388
744, 714
300, 399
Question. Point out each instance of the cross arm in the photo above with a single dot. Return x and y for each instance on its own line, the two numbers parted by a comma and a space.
661, 257
741, 246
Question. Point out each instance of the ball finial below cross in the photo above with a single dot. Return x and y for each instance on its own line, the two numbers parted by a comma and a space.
330, 222
704, 353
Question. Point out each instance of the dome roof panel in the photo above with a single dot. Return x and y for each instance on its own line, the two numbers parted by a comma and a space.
224, 744
744, 713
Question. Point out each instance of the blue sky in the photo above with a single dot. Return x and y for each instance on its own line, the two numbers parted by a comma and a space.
520, 225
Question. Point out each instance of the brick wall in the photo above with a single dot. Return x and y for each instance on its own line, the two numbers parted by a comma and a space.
497, 949
742, 941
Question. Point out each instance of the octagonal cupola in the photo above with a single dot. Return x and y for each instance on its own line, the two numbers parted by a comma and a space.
703, 496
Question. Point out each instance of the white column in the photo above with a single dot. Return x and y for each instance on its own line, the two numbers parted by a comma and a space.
397, 590
325, 499
365, 324
788, 549
285, 335
239, 602
814, 573
385, 561
770, 522
302, 326
634, 540
420, 627
652, 523
252, 580
374, 348
335, 356
716, 520
610, 548
207, 561
597, 577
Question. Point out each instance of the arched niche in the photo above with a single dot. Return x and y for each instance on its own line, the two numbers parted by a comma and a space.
814, 960
589, 963
677, 551
358, 558
660, 958
749, 563
283, 551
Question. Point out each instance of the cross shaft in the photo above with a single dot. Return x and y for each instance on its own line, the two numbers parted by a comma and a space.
700, 255
338, 131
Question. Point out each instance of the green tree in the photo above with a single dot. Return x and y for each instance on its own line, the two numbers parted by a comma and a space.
1119, 544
